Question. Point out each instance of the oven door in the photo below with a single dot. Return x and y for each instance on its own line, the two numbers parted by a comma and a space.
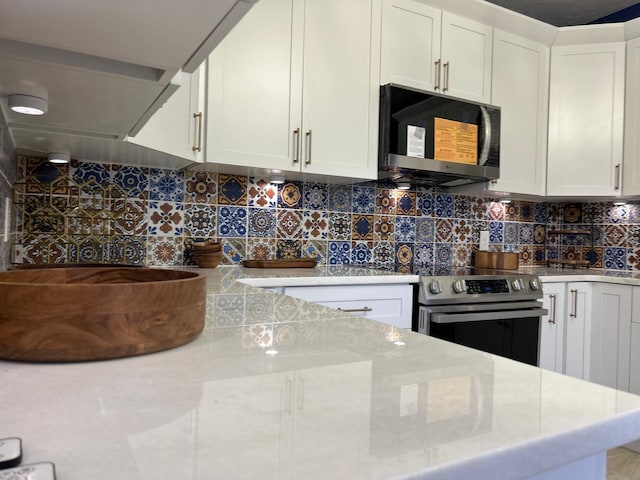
511, 330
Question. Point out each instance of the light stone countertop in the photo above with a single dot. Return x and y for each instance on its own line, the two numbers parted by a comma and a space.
276, 387
559, 274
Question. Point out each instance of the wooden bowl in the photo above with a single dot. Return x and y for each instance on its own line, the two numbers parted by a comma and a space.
207, 246
207, 259
92, 313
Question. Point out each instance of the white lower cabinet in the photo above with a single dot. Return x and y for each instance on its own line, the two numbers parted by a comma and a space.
610, 338
577, 330
283, 415
587, 332
552, 327
391, 303
634, 357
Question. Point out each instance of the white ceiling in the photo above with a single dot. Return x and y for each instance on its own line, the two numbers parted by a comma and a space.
562, 13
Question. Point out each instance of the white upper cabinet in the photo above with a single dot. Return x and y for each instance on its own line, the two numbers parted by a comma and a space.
586, 115
294, 87
177, 127
631, 182
520, 86
433, 50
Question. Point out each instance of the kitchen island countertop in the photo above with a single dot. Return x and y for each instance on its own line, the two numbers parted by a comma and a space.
276, 387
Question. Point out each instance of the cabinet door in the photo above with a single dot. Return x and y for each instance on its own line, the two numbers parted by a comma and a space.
586, 109
254, 96
610, 335
466, 58
236, 412
520, 86
331, 402
552, 327
340, 87
631, 182
175, 128
577, 354
410, 44
634, 357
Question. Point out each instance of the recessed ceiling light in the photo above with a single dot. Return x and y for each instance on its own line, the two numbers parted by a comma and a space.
28, 104
58, 157
277, 178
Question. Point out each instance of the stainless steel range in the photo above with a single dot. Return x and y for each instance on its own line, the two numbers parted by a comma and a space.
497, 313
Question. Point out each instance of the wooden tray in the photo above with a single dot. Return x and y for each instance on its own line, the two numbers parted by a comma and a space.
285, 263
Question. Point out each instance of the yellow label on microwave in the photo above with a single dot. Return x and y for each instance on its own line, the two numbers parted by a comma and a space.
455, 141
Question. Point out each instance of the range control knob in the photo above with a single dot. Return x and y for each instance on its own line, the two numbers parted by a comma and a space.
517, 284
459, 286
534, 284
435, 287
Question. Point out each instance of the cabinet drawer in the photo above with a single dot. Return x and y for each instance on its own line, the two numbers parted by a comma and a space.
386, 303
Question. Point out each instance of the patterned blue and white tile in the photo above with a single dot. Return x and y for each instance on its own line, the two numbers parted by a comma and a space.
200, 220
339, 252
364, 199
462, 207
425, 229
443, 253
510, 232
262, 222
444, 205
425, 204
615, 258
496, 232
525, 233
361, 252
405, 229
315, 196
166, 185
134, 180
232, 221
423, 253
232, 189
383, 254
340, 198
340, 226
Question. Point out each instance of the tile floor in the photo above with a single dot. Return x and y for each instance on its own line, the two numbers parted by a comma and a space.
623, 464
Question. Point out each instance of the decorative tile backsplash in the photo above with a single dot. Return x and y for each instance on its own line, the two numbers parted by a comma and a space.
93, 213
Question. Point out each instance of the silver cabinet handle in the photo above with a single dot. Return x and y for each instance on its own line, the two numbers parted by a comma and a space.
296, 136
552, 318
288, 396
363, 309
617, 185
436, 85
574, 304
300, 395
308, 160
446, 77
198, 148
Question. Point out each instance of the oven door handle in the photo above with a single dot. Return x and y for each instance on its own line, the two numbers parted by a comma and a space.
482, 316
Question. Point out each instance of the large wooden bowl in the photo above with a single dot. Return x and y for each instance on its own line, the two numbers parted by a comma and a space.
87, 313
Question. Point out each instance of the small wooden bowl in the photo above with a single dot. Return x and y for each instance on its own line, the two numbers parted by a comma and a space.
207, 259
207, 246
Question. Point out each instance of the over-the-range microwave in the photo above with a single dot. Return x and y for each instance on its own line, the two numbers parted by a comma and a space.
431, 139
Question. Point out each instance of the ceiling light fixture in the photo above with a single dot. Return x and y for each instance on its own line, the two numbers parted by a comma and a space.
28, 104
58, 157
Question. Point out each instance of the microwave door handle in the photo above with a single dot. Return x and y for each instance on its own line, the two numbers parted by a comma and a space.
482, 316
486, 120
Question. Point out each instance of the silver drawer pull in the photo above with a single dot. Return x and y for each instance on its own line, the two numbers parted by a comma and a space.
351, 310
